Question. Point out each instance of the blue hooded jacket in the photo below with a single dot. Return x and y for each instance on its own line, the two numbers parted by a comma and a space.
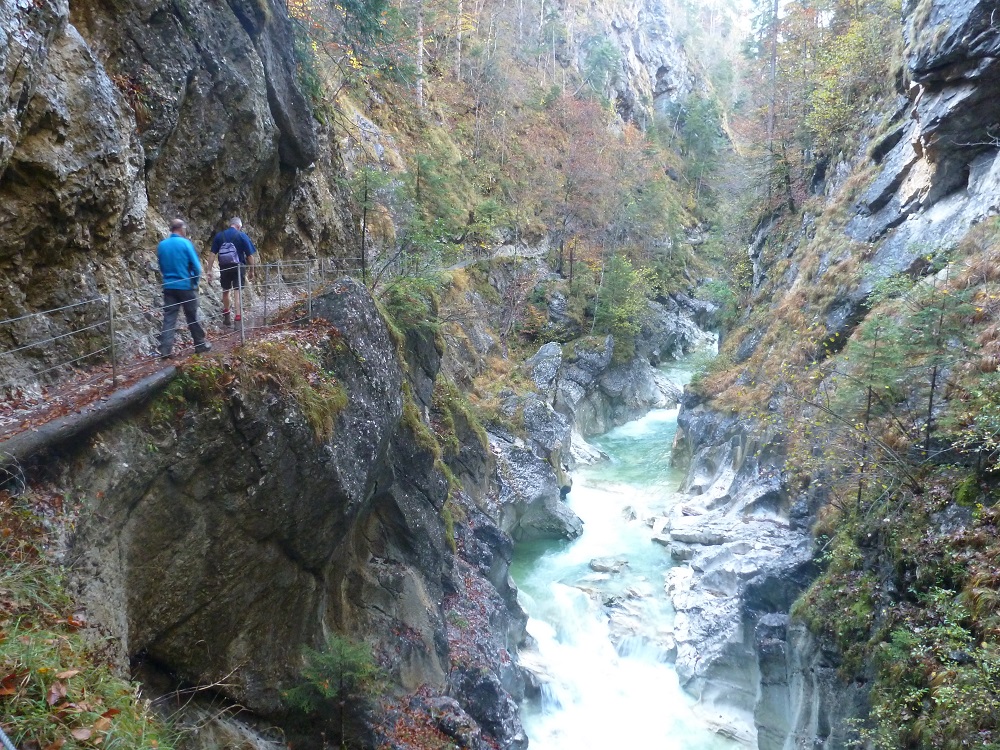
179, 263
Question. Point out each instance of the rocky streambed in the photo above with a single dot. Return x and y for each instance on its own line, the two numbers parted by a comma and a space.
669, 612
601, 620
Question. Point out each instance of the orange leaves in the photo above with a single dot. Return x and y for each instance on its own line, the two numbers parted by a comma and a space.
10, 684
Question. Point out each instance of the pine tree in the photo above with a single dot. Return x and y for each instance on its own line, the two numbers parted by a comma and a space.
336, 681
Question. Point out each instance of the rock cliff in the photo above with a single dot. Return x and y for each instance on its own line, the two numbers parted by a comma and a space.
119, 116
911, 194
573, 390
654, 71
248, 512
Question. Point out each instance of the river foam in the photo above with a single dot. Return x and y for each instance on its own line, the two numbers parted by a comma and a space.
604, 638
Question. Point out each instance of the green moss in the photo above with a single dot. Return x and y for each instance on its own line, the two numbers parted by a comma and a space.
967, 492
449, 527
914, 610
453, 413
285, 364
422, 434
841, 607
479, 275
198, 383
411, 303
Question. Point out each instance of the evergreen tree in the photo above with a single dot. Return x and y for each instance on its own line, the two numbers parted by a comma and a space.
337, 682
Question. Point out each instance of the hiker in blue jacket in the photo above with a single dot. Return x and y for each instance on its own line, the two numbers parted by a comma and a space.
181, 271
237, 257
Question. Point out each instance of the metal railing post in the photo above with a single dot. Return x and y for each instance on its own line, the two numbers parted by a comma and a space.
239, 313
111, 333
309, 291
277, 287
267, 283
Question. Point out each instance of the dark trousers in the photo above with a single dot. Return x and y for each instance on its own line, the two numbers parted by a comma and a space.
173, 301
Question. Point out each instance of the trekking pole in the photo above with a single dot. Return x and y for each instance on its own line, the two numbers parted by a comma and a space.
5, 741
111, 332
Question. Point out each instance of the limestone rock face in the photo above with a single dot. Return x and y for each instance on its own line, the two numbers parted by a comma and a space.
580, 392
744, 543
744, 556
655, 70
594, 394
119, 116
530, 498
215, 542
939, 162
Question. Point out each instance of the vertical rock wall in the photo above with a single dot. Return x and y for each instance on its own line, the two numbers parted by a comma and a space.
119, 115
935, 174
219, 535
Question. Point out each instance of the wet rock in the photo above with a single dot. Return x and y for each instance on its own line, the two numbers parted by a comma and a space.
608, 564
492, 706
679, 552
702, 312
544, 366
669, 331
544, 426
583, 453
449, 717
530, 499
598, 396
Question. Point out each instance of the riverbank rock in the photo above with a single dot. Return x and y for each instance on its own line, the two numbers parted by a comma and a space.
581, 382
740, 558
670, 330
530, 500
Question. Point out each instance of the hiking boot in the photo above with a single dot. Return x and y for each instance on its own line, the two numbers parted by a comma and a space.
201, 348
227, 319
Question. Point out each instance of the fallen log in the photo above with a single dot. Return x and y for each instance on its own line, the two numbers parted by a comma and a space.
19, 448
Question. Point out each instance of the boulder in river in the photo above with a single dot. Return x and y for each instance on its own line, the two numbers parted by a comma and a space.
608, 564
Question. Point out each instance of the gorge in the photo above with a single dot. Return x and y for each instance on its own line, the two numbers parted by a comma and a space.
477, 484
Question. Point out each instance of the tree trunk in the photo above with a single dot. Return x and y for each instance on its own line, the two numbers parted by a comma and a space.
420, 54
458, 39
572, 245
930, 411
773, 72
364, 232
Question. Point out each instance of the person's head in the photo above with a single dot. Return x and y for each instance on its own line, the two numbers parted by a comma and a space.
236, 222
178, 226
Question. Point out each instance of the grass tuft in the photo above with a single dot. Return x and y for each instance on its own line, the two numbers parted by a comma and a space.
56, 690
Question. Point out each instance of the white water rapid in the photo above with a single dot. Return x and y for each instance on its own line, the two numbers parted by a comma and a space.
609, 682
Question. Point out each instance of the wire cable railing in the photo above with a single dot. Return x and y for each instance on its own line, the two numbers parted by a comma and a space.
78, 341
49, 357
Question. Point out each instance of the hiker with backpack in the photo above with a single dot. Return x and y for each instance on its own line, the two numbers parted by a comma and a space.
237, 257
181, 271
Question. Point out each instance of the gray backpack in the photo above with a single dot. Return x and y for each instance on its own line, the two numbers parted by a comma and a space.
229, 256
